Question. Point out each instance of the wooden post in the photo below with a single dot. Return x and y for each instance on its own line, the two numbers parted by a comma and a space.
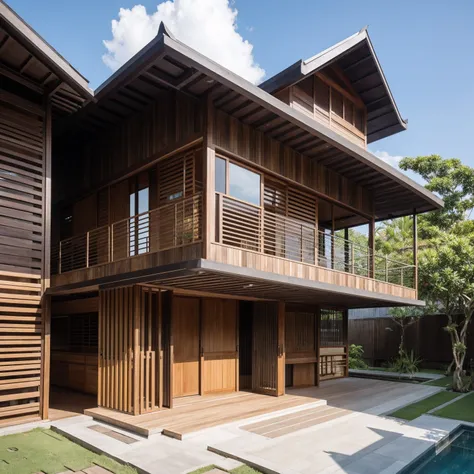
318, 344
112, 243
281, 349
371, 269
345, 320
45, 356
346, 249
87, 249
208, 163
60, 256
415, 251
352, 259
333, 226
136, 349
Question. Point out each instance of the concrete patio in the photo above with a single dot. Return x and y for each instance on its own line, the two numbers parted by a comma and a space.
360, 440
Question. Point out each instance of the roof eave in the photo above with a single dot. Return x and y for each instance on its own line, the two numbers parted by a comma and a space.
45, 52
230, 79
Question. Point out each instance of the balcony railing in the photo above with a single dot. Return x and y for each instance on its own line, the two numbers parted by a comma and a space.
172, 225
249, 227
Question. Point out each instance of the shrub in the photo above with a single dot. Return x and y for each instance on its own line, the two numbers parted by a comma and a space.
356, 357
406, 363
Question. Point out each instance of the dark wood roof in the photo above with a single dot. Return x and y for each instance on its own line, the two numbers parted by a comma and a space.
27, 59
357, 59
166, 64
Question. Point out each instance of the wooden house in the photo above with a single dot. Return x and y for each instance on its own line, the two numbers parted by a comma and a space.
198, 225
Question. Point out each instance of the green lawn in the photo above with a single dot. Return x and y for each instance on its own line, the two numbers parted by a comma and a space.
45, 451
462, 410
238, 470
445, 382
417, 409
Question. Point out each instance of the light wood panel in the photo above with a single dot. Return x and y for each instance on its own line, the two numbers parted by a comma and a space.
129, 326
186, 328
249, 259
219, 372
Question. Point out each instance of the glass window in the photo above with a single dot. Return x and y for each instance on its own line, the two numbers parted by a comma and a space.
220, 176
244, 184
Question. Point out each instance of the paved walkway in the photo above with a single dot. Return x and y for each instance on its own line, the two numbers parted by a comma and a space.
361, 441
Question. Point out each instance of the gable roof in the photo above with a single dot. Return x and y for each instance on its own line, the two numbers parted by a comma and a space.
166, 64
357, 59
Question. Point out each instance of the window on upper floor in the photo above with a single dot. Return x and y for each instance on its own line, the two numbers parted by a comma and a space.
237, 181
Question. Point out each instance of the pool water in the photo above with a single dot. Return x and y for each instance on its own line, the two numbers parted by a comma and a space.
456, 458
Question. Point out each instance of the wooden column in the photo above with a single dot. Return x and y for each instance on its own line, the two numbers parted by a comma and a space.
281, 349
46, 265
371, 259
415, 250
333, 231
45, 356
208, 163
346, 250
345, 320
318, 344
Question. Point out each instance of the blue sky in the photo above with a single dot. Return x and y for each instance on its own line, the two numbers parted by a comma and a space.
425, 48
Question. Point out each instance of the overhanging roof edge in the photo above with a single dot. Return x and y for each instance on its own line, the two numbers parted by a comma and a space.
275, 105
46, 52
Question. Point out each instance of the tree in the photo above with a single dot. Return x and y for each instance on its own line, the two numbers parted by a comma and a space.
447, 279
405, 317
451, 180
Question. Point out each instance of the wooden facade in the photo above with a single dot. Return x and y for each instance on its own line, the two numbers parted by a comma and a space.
197, 233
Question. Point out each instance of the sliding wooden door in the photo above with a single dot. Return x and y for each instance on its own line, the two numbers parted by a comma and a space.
219, 356
186, 328
265, 348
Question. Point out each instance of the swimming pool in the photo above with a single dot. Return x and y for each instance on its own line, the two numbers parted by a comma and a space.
454, 456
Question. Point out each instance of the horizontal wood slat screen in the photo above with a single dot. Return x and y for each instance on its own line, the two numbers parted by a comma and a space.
286, 226
129, 327
22, 128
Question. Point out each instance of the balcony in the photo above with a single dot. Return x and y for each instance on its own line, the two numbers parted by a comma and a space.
246, 235
294, 248
172, 226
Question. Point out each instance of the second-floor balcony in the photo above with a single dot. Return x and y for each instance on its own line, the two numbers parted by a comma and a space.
239, 225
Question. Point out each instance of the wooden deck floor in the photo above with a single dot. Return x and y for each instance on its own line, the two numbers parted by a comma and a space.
196, 413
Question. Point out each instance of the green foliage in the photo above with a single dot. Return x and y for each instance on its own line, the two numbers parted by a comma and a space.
451, 180
406, 363
356, 357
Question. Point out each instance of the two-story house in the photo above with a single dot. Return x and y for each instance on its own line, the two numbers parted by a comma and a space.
200, 229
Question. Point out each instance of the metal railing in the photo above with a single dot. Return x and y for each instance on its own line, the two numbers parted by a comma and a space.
172, 225
250, 227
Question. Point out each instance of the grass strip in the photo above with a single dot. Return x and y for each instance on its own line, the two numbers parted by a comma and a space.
462, 409
410, 412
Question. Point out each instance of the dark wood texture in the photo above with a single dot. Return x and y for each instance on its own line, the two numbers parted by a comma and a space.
24, 144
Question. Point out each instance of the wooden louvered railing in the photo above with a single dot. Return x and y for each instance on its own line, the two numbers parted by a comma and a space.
250, 227
173, 225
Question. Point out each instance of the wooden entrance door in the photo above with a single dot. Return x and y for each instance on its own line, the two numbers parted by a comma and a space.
185, 346
268, 352
219, 356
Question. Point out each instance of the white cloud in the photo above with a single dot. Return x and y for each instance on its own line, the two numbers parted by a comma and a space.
392, 160
208, 26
